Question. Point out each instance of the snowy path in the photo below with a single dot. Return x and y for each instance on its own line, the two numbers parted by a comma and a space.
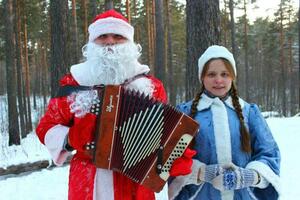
52, 184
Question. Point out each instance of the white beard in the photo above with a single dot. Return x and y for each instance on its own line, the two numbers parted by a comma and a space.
111, 64
108, 65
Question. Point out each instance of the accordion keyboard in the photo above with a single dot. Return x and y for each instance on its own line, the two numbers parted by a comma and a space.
176, 153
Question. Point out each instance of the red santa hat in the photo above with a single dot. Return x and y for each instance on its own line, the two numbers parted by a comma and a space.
215, 51
110, 22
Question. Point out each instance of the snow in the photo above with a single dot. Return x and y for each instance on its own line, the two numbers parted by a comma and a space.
51, 184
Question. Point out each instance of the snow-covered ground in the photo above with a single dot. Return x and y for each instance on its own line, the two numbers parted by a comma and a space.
51, 184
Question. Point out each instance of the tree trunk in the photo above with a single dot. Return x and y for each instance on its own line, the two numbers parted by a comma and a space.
19, 68
84, 20
13, 122
149, 33
153, 34
45, 70
171, 82
74, 35
93, 7
203, 25
299, 57
35, 76
159, 41
224, 25
27, 79
247, 87
137, 28
128, 10
58, 60
109, 4
232, 28
282, 64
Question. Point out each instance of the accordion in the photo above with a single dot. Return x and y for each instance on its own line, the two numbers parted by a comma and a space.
139, 136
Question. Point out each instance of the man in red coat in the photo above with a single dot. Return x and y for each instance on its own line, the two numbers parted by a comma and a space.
111, 58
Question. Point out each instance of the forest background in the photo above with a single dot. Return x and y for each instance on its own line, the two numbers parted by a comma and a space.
41, 39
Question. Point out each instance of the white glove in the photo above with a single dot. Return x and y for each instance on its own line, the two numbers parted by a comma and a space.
234, 178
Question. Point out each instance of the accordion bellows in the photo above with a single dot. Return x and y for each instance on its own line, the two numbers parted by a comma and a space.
139, 136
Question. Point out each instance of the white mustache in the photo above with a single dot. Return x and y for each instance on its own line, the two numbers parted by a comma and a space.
111, 64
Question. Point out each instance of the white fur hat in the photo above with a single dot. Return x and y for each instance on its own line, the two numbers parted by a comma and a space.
110, 22
215, 51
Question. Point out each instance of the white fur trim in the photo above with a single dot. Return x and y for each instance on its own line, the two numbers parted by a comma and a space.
175, 187
221, 131
163, 194
143, 85
227, 195
206, 102
266, 172
106, 191
82, 73
79, 72
228, 102
199, 189
54, 140
222, 138
110, 25
180, 181
104, 184
215, 51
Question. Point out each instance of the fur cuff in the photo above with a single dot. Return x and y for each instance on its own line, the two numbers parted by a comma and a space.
266, 173
54, 141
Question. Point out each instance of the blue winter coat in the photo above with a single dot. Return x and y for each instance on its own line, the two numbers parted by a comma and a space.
265, 156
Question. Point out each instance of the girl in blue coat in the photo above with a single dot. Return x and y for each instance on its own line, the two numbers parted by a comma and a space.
237, 157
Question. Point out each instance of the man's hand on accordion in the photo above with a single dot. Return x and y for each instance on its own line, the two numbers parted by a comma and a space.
81, 134
183, 165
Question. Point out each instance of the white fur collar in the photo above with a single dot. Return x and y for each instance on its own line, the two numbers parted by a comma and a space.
206, 102
81, 72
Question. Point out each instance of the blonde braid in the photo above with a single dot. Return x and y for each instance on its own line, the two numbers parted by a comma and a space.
195, 103
245, 136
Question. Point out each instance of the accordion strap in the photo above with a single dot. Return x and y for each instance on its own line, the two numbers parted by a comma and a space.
127, 81
69, 89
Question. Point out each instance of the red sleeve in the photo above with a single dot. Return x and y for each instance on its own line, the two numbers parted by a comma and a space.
58, 111
159, 91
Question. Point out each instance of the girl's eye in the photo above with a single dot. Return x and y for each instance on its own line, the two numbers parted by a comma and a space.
211, 75
225, 75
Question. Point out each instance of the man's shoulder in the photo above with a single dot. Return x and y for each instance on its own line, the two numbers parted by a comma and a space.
153, 79
68, 79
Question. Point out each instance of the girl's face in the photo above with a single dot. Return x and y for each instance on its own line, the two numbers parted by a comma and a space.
217, 79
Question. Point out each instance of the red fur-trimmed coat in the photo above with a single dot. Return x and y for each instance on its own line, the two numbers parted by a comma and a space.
84, 176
